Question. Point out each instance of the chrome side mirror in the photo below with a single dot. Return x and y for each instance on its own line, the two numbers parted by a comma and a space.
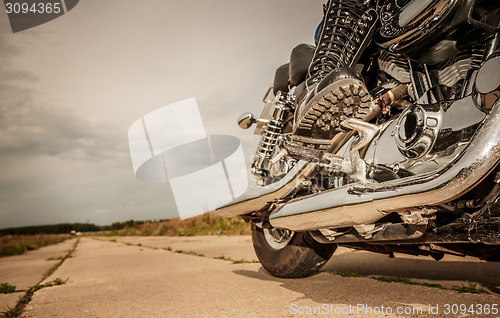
246, 120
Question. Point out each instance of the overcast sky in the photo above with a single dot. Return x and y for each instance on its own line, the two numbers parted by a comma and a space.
71, 88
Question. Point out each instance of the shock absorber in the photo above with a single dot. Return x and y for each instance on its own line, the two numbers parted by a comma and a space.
282, 106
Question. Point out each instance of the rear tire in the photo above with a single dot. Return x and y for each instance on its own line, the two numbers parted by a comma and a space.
287, 254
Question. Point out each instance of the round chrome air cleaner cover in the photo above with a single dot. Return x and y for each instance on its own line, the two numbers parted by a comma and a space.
412, 25
416, 130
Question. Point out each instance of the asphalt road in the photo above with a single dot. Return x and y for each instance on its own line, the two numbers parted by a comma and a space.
146, 277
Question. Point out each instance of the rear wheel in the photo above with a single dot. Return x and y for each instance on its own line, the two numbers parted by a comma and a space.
288, 254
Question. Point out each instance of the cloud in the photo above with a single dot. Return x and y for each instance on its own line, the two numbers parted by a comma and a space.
31, 125
28, 128
57, 165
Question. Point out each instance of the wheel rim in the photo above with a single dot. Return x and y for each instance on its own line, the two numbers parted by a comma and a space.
277, 238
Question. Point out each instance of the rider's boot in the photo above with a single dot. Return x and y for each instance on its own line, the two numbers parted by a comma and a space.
334, 90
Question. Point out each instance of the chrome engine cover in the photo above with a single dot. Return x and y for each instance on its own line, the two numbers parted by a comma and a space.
407, 23
416, 130
426, 137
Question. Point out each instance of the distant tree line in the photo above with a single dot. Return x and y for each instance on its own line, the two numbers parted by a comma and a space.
50, 229
122, 225
64, 228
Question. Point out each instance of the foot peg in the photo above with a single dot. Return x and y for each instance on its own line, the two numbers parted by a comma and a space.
354, 166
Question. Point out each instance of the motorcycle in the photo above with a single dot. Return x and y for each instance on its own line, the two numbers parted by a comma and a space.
417, 174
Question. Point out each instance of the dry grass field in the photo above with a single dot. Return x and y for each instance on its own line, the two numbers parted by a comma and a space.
18, 244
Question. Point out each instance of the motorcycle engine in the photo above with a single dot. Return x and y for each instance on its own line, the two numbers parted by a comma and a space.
432, 31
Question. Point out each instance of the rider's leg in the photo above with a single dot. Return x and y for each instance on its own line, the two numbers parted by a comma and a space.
334, 90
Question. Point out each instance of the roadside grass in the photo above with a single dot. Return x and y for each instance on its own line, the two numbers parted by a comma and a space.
11, 312
243, 261
240, 261
189, 253
179, 251
18, 244
471, 288
346, 274
55, 258
17, 310
396, 279
51, 270
6, 288
206, 224
168, 248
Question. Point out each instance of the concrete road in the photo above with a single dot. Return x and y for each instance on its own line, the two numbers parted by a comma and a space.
26, 270
139, 277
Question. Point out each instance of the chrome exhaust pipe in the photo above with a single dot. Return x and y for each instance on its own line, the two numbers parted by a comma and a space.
361, 203
257, 198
